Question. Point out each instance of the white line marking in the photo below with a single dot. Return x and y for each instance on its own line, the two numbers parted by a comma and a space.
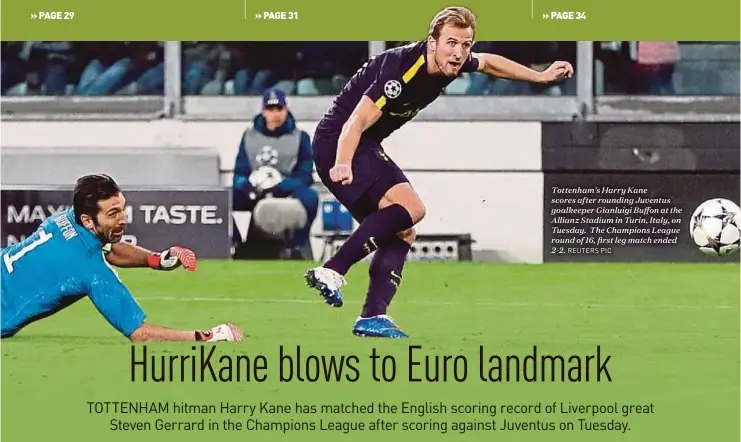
438, 303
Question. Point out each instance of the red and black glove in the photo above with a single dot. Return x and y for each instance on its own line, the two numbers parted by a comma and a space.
173, 258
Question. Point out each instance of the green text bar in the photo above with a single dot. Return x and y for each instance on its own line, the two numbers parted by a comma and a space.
276, 20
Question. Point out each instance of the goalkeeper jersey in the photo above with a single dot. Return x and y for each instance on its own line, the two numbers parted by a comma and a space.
61, 263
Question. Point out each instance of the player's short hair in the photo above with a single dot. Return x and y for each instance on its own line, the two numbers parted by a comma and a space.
457, 16
88, 191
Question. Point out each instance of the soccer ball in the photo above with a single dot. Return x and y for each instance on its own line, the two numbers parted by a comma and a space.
714, 227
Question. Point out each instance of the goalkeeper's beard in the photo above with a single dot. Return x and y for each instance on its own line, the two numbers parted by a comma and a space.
100, 234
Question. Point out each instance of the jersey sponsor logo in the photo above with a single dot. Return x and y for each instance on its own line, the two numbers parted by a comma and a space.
392, 89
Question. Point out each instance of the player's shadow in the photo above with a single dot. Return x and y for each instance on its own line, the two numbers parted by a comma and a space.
71, 340
66, 340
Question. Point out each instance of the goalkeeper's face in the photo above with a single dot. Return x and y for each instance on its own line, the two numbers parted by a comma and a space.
110, 222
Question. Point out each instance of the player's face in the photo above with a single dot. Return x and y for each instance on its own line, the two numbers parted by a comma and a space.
275, 116
452, 49
111, 219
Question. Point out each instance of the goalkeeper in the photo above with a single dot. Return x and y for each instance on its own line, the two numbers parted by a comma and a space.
275, 159
70, 257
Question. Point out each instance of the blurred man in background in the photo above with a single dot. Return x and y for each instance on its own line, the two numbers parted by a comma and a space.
70, 257
273, 175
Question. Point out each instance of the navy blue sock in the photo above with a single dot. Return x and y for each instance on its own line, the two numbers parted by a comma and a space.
375, 230
385, 276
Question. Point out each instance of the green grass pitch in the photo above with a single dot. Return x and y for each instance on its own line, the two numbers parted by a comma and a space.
671, 330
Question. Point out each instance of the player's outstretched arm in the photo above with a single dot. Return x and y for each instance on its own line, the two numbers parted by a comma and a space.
114, 301
128, 255
501, 67
156, 333
365, 114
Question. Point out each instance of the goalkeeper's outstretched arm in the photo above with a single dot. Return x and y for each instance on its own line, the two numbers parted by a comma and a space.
128, 255
124, 254
157, 333
117, 305
153, 333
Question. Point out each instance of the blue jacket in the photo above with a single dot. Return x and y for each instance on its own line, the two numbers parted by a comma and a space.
302, 175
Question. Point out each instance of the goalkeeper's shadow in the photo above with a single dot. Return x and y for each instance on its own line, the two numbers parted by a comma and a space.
66, 340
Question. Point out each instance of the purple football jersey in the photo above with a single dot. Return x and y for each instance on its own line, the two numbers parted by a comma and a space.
398, 83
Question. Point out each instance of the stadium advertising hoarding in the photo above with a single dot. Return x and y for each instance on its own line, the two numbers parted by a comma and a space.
564, 351
480, 177
157, 219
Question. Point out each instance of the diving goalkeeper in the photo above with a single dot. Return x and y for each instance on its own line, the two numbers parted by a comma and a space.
70, 256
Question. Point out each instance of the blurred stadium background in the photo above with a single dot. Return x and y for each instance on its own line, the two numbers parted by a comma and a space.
166, 118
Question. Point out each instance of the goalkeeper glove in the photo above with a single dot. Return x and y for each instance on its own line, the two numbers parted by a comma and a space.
220, 333
173, 258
